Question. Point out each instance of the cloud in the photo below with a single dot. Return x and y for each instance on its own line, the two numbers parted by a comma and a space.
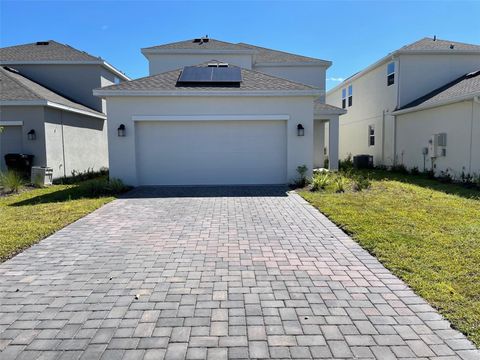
336, 79
104, 27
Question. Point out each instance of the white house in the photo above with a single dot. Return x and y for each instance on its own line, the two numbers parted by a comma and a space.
47, 108
215, 113
374, 96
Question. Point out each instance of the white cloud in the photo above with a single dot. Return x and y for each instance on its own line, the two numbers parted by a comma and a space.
336, 79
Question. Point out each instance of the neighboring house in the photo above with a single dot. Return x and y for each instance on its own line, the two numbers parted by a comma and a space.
441, 130
213, 112
47, 88
373, 95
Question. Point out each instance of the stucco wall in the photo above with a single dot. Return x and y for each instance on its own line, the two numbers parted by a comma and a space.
421, 74
159, 63
373, 101
121, 110
73, 81
74, 142
462, 127
32, 117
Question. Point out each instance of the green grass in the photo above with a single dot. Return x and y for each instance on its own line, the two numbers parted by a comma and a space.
425, 232
30, 216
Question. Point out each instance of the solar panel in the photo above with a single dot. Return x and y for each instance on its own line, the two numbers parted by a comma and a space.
196, 74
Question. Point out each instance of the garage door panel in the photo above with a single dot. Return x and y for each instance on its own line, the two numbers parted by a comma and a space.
211, 152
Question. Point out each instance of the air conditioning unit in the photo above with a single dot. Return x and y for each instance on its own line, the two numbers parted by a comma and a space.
41, 175
437, 145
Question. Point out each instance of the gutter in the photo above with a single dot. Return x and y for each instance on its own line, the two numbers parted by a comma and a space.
52, 105
169, 93
436, 104
148, 51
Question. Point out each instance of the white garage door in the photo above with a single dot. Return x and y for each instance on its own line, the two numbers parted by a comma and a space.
211, 152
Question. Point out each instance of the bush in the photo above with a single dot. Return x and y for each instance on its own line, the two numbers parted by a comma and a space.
302, 176
399, 168
79, 176
361, 183
339, 184
11, 181
346, 164
414, 170
320, 181
102, 187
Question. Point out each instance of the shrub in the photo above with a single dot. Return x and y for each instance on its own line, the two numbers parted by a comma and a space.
399, 168
445, 177
102, 187
11, 181
346, 164
116, 186
339, 184
414, 170
79, 176
320, 181
326, 163
361, 183
302, 175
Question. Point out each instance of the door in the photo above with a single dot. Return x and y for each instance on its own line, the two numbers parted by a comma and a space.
211, 152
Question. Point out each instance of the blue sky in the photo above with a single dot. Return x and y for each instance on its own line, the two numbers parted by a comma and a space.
352, 34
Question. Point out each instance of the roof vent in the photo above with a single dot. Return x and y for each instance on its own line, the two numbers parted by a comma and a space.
452, 46
198, 40
434, 37
43, 42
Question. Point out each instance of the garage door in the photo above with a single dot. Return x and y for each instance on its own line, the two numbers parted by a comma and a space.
211, 152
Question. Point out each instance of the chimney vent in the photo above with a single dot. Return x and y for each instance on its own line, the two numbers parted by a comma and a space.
42, 42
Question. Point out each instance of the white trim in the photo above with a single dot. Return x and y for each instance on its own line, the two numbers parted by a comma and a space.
323, 63
50, 104
11, 123
63, 62
434, 105
222, 93
205, 51
210, 117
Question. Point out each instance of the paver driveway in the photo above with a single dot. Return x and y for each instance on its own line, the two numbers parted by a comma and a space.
212, 273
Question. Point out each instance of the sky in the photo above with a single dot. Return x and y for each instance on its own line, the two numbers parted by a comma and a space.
351, 34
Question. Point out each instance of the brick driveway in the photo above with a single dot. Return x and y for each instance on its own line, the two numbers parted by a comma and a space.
212, 273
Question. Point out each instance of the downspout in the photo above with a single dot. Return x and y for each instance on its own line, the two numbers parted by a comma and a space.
395, 117
476, 99
63, 145
383, 137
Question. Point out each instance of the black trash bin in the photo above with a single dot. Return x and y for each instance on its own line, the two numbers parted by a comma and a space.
21, 163
363, 161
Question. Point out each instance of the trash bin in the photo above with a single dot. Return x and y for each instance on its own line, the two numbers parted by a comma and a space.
41, 176
363, 161
20, 163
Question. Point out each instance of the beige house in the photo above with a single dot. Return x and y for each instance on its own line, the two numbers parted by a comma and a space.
374, 96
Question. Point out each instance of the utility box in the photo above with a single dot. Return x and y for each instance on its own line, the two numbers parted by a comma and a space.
437, 145
42, 175
363, 161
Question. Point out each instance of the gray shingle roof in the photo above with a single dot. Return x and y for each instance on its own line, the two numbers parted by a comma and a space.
16, 87
251, 81
264, 55
429, 44
463, 86
212, 44
54, 51
321, 107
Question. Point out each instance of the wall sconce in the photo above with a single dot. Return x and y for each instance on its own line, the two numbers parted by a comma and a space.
121, 130
300, 130
31, 135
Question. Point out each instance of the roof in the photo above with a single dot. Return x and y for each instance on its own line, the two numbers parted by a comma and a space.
50, 52
18, 89
423, 46
321, 108
262, 55
466, 86
167, 82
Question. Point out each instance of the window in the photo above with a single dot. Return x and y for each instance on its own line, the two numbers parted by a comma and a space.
116, 80
371, 135
344, 98
350, 96
391, 74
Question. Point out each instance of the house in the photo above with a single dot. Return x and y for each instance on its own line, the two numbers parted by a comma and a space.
216, 113
374, 96
47, 108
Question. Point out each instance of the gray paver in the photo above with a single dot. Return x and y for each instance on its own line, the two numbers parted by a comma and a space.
212, 273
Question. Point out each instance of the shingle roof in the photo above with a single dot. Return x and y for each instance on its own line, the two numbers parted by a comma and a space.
463, 86
429, 44
52, 51
321, 107
264, 55
16, 87
211, 44
251, 81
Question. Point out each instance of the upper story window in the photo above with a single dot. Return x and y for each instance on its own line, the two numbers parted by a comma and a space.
344, 98
116, 80
371, 135
350, 96
391, 74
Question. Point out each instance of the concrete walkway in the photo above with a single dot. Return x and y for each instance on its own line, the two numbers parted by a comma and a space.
212, 273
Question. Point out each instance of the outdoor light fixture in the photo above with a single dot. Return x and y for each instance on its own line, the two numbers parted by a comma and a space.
300, 130
31, 135
121, 130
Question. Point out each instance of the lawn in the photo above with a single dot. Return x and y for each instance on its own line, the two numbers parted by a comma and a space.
425, 232
32, 215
